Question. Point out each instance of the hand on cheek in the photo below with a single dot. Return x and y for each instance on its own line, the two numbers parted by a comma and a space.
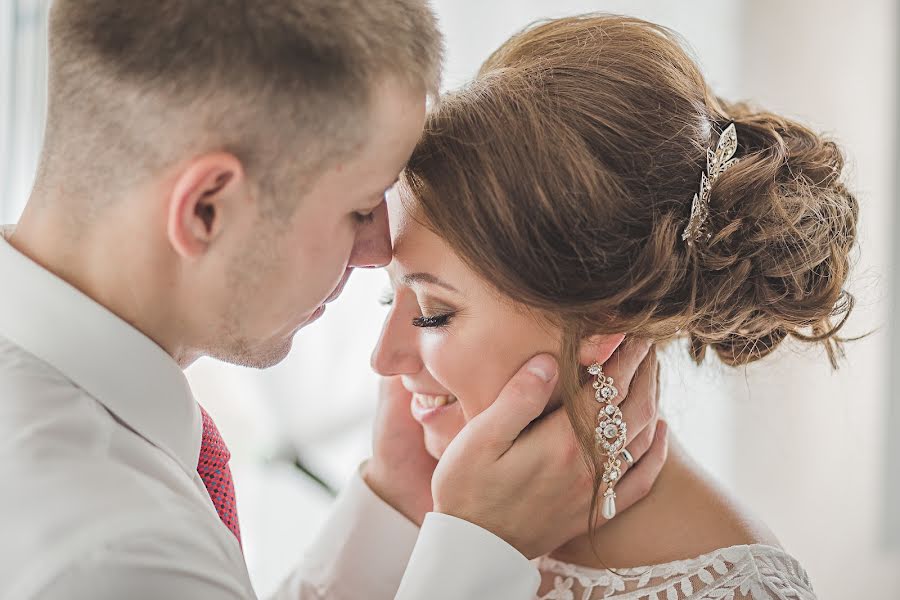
529, 485
401, 468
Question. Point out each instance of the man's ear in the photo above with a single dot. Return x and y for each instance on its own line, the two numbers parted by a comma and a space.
200, 196
598, 348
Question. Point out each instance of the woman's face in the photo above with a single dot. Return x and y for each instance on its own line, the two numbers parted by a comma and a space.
450, 337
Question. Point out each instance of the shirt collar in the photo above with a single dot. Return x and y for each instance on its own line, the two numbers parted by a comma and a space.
123, 369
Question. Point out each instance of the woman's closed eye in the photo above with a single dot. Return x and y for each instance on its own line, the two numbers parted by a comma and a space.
435, 320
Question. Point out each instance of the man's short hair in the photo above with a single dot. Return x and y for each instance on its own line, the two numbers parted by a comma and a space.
135, 85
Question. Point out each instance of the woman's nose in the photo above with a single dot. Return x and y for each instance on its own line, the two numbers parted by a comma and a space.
396, 352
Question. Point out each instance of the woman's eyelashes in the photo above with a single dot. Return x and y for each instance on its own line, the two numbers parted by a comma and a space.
435, 314
435, 321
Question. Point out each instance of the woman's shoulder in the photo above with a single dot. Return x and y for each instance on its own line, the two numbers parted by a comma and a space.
743, 572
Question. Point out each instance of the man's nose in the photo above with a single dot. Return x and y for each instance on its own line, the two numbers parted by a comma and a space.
372, 248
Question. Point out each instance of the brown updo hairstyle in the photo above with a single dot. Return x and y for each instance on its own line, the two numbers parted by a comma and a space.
564, 175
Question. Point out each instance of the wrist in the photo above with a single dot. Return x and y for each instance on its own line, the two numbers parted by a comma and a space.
408, 503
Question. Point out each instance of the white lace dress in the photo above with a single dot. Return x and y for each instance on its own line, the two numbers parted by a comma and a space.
754, 572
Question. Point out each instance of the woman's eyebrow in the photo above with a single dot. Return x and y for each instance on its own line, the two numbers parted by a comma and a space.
413, 278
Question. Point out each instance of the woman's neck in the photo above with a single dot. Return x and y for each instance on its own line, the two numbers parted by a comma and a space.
685, 515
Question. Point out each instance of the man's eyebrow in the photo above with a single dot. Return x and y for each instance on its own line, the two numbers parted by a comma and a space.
413, 278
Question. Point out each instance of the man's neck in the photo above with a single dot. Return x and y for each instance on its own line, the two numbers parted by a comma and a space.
108, 264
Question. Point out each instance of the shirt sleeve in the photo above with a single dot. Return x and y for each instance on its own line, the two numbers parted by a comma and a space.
365, 546
456, 560
361, 551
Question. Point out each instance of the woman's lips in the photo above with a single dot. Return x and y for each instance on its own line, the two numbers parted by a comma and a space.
425, 407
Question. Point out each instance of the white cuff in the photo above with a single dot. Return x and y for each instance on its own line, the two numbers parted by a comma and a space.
455, 560
360, 552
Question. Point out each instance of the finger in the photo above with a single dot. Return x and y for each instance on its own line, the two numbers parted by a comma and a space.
639, 446
658, 381
393, 400
393, 417
521, 401
639, 410
391, 389
639, 480
555, 435
624, 362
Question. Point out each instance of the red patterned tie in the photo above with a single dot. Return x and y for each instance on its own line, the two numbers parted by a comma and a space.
216, 474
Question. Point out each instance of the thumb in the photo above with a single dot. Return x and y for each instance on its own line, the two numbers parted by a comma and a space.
521, 401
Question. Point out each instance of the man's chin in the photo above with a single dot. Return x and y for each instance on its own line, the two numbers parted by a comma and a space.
257, 358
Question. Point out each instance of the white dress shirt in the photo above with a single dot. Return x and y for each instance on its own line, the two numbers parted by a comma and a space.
99, 442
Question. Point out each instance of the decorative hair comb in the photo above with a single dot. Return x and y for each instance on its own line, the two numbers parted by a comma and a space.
716, 163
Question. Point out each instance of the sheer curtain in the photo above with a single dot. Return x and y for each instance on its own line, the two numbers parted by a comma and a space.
23, 74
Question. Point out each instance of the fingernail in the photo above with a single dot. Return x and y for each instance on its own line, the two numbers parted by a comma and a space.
543, 366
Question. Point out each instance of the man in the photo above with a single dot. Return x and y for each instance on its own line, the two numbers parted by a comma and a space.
212, 173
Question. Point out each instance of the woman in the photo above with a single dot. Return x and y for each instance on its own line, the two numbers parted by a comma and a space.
587, 184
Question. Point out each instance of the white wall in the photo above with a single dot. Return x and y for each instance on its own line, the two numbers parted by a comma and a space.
811, 448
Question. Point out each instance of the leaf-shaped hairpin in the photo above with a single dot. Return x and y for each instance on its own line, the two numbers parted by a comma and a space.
716, 163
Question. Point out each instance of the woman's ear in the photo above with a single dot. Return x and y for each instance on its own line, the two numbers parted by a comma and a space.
598, 348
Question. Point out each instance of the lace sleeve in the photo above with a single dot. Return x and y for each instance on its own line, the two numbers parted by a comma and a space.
739, 573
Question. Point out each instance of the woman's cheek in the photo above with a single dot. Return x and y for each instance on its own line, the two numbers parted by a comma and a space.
463, 370
449, 364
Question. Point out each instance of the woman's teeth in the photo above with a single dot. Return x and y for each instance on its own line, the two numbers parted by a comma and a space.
433, 401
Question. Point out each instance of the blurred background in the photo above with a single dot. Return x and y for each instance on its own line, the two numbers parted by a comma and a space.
815, 453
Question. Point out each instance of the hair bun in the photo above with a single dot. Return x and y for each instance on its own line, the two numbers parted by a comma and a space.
783, 224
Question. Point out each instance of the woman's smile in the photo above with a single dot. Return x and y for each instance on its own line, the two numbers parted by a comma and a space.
426, 407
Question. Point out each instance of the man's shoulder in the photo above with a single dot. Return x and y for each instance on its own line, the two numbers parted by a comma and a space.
18, 366
161, 553
44, 416
83, 492
70, 519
